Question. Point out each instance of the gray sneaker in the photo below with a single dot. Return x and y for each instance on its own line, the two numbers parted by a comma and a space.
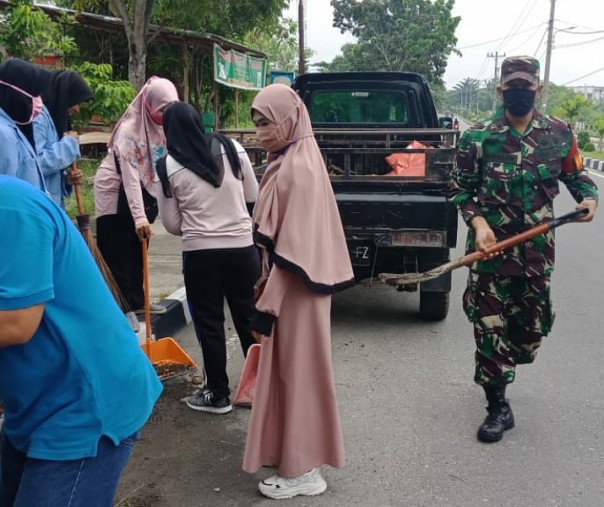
205, 401
154, 309
133, 321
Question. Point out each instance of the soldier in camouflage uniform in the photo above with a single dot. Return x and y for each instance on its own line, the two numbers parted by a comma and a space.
507, 176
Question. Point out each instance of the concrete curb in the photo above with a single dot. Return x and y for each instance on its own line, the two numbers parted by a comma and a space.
170, 323
594, 163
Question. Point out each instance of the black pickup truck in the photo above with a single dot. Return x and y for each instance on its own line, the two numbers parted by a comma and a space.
395, 212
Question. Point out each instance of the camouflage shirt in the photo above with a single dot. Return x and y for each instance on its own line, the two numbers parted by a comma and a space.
511, 180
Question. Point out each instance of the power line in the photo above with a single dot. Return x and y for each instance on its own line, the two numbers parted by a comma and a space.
575, 44
502, 38
516, 25
579, 33
540, 42
525, 40
586, 75
595, 30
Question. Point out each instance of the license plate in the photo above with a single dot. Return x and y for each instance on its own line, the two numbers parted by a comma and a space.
430, 239
361, 255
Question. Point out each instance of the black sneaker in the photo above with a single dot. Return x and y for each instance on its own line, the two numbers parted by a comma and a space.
205, 401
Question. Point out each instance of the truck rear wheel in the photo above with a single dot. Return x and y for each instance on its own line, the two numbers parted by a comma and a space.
433, 305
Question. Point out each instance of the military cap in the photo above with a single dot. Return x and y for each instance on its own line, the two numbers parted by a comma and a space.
520, 67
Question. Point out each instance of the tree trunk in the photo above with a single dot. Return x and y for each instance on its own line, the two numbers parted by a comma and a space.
185, 73
137, 64
136, 28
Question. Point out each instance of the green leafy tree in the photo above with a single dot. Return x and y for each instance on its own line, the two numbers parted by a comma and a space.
229, 18
558, 95
27, 32
599, 125
136, 17
232, 18
397, 35
467, 92
111, 98
279, 42
572, 107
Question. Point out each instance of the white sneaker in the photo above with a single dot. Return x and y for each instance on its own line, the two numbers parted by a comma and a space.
309, 484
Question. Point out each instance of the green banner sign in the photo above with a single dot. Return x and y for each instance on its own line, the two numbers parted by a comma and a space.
238, 70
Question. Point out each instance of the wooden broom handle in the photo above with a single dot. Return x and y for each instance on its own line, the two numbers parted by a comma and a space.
78, 192
147, 295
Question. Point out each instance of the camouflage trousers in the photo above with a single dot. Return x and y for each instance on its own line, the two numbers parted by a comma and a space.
510, 316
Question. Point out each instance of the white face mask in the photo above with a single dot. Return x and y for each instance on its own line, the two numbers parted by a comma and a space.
36, 103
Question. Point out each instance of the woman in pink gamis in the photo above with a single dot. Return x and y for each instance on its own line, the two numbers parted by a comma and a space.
294, 424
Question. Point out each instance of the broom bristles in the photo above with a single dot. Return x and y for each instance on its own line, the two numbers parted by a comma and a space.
83, 221
103, 267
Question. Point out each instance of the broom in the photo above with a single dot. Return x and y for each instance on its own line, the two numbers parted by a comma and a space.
83, 221
471, 258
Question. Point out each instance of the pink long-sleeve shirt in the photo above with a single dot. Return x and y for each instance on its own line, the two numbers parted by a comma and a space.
207, 217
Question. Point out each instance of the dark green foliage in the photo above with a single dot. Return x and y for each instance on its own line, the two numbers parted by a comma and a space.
27, 32
111, 98
583, 139
397, 35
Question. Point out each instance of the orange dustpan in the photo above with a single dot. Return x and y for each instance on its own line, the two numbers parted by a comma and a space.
247, 384
166, 355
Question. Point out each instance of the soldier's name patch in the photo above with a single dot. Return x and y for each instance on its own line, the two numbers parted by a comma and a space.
502, 158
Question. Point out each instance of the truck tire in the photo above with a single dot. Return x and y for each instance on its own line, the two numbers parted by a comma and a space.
433, 305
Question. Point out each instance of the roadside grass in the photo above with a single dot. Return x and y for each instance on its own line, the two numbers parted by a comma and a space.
593, 154
88, 167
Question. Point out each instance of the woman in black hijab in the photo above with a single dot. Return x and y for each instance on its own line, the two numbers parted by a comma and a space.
57, 145
65, 92
20, 86
27, 77
206, 181
199, 152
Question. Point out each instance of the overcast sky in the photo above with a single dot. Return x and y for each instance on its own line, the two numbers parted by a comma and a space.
512, 27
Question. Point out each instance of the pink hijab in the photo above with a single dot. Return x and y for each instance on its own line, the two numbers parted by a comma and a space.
296, 217
136, 137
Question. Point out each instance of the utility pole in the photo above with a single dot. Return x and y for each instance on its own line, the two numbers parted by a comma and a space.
496, 75
301, 23
548, 54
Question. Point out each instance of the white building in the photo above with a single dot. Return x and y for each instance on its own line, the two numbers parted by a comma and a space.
595, 93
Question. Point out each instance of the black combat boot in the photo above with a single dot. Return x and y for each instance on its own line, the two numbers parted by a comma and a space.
500, 416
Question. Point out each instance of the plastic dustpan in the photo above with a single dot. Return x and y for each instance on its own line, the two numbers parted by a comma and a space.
247, 384
169, 359
165, 354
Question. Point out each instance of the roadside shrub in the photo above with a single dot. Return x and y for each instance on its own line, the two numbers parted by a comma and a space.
583, 139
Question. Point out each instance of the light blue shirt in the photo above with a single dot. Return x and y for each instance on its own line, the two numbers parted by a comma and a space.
83, 374
17, 155
55, 156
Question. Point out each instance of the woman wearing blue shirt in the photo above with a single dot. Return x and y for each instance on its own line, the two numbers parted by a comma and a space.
76, 384
57, 145
20, 86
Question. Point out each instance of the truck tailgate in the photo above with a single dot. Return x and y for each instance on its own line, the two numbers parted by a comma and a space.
369, 214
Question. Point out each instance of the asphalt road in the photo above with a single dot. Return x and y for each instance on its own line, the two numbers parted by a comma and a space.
410, 409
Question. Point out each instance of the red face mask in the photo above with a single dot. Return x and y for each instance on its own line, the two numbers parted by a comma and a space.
36, 103
154, 115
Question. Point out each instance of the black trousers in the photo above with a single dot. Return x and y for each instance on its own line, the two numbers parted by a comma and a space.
210, 277
122, 251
